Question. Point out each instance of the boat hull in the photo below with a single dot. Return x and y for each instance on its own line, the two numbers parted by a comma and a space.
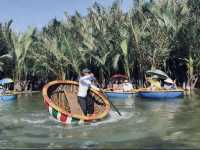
66, 116
161, 94
8, 97
121, 95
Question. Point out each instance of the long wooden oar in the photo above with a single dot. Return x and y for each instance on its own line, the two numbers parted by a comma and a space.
111, 103
108, 99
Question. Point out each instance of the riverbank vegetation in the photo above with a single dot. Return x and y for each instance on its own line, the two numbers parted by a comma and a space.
163, 35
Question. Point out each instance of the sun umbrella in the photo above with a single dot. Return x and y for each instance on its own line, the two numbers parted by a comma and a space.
155, 77
160, 73
6, 81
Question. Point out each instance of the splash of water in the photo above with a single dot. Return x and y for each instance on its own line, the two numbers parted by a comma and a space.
38, 121
114, 117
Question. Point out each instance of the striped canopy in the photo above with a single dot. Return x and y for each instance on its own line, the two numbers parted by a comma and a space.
119, 76
160, 73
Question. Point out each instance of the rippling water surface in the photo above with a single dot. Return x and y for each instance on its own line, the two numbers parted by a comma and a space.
149, 124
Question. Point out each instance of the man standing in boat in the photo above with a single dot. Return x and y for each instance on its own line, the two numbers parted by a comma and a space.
85, 82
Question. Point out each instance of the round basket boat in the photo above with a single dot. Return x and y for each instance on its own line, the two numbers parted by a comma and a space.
60, 97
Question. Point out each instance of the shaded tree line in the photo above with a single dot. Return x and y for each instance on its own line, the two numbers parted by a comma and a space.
163, 35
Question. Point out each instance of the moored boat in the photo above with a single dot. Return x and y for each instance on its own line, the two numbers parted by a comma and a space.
8, 97
119, 87
161, 94
60, 98
5, 94
161, 86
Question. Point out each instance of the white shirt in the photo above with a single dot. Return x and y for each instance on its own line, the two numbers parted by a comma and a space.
127, 86
85, 83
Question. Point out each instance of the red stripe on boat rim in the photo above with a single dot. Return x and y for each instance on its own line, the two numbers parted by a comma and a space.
46, 104
63, 117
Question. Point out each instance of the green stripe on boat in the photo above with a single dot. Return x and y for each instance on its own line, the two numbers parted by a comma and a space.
54, 113
75, 120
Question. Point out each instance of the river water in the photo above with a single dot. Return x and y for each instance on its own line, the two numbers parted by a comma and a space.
144, 124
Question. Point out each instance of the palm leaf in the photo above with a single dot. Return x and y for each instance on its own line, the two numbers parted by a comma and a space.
124, 47
6, 57
115, 61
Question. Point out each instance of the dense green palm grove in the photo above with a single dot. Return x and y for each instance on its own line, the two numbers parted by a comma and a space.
163, 35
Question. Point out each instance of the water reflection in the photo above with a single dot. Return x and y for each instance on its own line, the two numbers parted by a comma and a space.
151, 124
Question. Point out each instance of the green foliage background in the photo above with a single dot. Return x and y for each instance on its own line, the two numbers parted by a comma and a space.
156, 34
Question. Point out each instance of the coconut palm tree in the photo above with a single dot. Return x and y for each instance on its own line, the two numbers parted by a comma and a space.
6, 49
50, 57
107, 40
21, 45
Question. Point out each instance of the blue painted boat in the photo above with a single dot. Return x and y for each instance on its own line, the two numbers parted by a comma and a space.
8, 97
119, 94
161, 94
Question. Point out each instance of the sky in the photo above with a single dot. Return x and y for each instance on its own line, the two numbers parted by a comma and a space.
38, 13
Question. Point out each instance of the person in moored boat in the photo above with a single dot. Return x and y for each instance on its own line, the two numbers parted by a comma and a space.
115, 86
174, 84
85, 82
169, 84
154, 85
2, 90
109, 86
127, 86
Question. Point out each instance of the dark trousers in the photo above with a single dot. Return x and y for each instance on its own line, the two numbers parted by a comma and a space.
87, 104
